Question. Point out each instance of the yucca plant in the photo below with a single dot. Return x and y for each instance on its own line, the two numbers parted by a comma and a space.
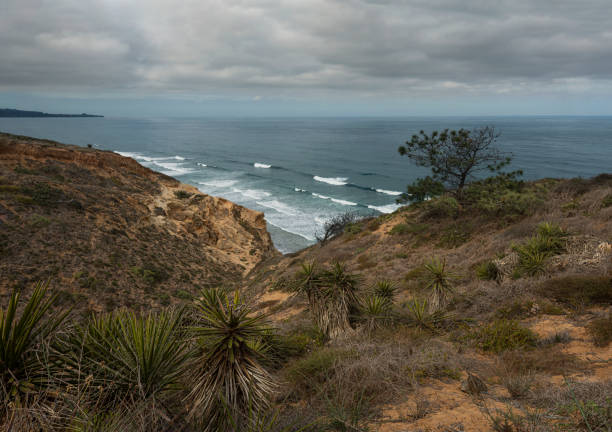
376, 311
230, 376
385, 288
488, 270
131, 357
21, 336
439, 282
420, 315
308, 280
339, 297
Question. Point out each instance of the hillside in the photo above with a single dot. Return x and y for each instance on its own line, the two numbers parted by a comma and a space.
489, 314
520, 330
108, 232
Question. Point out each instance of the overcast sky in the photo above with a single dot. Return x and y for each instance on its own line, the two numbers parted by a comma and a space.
307, 57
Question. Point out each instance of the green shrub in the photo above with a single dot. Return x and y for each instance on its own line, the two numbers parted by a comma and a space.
578, 291
419, 315
488, 270
502, 335
454, 236
375, 311
21, 335
549, 240
229, 375
422, 189
438, 282
607, 201
181, 194
400, 229
352, 229
444, 206
133, 357
308, 372
149, 274
517, 310
504, 195
600, 330
385, 288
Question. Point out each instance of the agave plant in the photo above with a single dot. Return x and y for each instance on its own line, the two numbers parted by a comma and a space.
130, 357
385, 288
376, 311
439, 282
308, 280
339, 294
21, 337
230, 375
421, 316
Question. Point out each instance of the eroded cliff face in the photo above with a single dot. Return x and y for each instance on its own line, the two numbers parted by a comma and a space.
108, 232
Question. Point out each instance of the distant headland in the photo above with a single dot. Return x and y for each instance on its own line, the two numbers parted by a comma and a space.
7, 112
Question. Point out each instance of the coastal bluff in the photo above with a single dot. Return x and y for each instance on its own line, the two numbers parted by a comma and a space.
108, 232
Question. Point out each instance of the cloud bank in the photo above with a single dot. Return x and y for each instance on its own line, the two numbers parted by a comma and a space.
365, 48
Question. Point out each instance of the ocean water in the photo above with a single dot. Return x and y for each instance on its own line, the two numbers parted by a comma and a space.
302, 171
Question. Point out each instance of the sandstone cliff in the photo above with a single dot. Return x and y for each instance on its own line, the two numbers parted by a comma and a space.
108, 232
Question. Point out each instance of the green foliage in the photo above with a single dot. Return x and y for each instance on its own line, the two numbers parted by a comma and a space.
516, 310
504, 195
331, 295
420, 315
181, 194
375, 311
353, 228
600, 330
438, 281
578, 291
607, 201
444, 206
488, 270
456, 156
502, 335
133, 357
149, 274
454, 236
421, 190
385, 288
229, 376
38, 221
549, 241
20, 338
182, 294
399, 229
310, 371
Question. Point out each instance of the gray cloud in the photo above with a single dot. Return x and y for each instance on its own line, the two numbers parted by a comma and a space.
288, 47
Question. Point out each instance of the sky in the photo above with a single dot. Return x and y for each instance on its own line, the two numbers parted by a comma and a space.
307, 57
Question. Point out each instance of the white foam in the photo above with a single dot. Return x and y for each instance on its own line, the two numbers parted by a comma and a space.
220, 183
277, 225
179, 157
129, 154
335, 181
261, 165
252, 193
299, 190
173, 168
201, 164
388, 192
320, 196
279, 207
343, 202
389, 208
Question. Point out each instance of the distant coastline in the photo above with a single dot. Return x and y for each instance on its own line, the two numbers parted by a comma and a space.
15, 113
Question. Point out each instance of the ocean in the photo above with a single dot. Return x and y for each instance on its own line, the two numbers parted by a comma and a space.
302, 171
